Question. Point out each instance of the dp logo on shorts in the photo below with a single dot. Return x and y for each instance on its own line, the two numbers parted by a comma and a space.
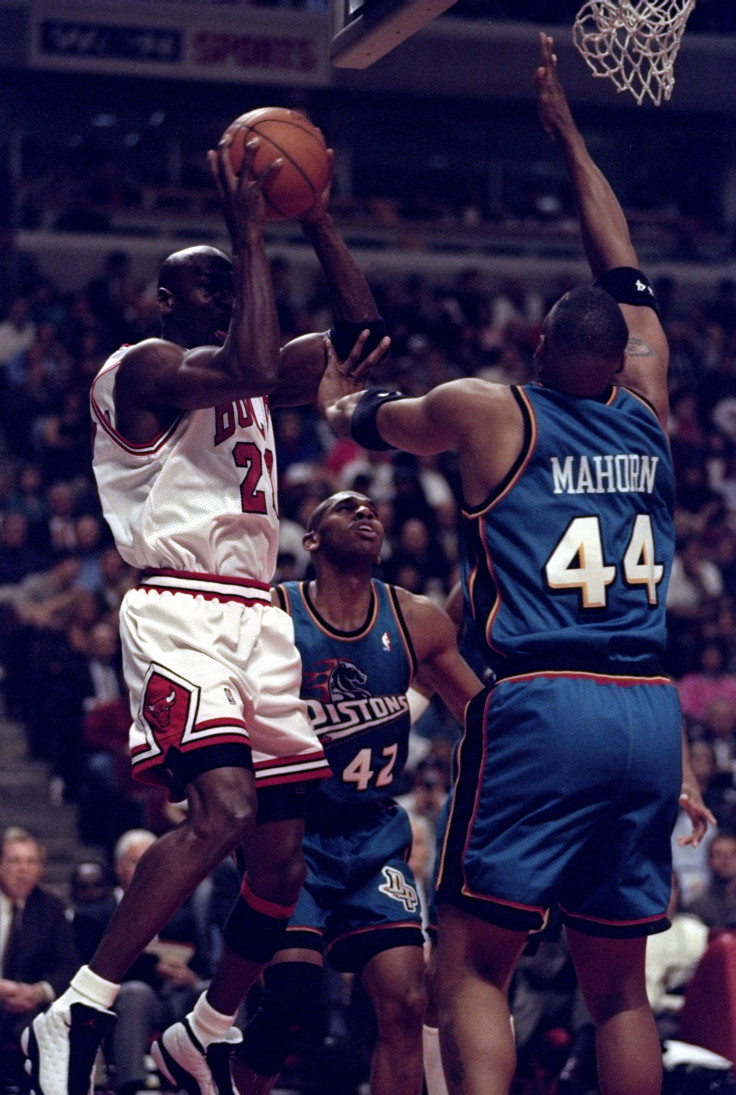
397, 888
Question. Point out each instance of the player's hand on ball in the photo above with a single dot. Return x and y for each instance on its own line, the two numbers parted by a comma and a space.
303, 183
241, 194
321, 205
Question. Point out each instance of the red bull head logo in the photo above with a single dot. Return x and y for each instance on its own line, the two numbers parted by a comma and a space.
166, 707
160, 698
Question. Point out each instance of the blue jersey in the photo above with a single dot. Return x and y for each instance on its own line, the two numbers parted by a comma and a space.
354, 684
566, 565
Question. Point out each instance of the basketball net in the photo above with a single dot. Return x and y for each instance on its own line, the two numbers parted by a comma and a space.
633, 42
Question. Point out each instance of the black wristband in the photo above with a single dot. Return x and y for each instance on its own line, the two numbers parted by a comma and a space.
628, 285
363, 427
344, 335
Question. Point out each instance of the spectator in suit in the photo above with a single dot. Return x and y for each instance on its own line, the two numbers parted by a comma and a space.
163, 983
36, 948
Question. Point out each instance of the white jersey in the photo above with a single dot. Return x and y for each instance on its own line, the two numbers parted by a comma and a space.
201, 498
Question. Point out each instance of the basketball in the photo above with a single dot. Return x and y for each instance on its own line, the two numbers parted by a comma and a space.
287, 134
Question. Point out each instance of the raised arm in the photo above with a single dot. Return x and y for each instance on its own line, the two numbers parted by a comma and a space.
606, 238
480, 421
353, 308
187, 368
251, 347
603, 225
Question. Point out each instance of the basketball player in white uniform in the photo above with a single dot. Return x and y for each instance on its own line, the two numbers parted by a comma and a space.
186, 470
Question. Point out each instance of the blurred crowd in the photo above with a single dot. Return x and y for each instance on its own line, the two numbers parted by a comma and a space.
62, 580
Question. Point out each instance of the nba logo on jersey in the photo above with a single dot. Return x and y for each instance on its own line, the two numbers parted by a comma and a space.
386, 642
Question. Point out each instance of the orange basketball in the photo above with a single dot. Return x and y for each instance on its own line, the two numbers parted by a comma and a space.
287, 134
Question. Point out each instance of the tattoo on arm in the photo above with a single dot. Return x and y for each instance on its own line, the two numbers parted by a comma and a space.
454, 1062
637, 347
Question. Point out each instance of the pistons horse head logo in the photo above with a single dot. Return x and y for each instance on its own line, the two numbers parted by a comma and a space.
336, 679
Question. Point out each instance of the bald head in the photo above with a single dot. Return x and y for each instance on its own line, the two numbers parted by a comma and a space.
182, 263
195, 296
583, 342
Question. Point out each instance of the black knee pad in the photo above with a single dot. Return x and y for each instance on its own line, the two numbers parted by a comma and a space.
252, 933
291, 992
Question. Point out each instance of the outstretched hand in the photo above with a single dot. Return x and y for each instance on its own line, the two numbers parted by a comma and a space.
552, 105
344, 378
241, 193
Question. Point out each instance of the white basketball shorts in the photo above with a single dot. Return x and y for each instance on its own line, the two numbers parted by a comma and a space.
214, 679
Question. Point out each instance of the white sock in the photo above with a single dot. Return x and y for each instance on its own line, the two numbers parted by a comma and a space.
433, 1072
87, 987
207, 1024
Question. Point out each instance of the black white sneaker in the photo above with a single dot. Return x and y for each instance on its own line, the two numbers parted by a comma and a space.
61, 1046
183, 1060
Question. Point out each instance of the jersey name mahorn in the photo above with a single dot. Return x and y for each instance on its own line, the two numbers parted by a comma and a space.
620, 473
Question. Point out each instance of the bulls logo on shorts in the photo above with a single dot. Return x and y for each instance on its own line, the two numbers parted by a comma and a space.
168, 707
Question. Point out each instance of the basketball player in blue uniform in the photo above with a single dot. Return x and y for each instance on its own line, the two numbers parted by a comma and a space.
361, 643
571, 765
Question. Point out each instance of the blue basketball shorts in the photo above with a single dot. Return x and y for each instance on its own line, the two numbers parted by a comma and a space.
566, 793
359, 897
